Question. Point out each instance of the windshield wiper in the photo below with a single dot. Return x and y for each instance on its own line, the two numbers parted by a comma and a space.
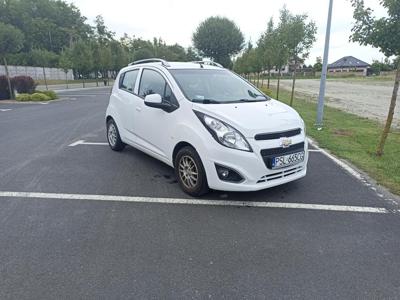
252, 100
206, 101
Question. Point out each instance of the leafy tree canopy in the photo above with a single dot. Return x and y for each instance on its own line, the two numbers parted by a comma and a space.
50, 25
11, 39
382, 33
218, 38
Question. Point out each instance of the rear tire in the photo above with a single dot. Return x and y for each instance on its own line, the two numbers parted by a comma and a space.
113, 137
190, 172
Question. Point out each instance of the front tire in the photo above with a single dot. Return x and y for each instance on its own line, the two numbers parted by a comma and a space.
190, 172
113, 137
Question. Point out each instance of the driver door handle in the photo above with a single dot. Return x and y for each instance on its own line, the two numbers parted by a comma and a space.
138, 108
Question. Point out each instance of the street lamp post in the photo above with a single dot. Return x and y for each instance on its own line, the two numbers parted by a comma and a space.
320, 108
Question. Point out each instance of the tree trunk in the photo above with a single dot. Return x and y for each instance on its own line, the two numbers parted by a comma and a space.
258, 79
83, 81
277, 87
293, 83
11, 90
269, 77
262, 79
44, 76
66, 79
381, 145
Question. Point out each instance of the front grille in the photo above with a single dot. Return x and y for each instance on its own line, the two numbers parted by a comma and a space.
268, 154
280, 174
277, 135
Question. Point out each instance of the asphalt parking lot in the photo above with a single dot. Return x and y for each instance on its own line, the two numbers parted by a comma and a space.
78, 220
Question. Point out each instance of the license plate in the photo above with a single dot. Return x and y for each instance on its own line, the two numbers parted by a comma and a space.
287, 160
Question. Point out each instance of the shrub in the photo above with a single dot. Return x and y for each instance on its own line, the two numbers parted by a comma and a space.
24, 97
24, 84
49, 93
4, 91
39, 97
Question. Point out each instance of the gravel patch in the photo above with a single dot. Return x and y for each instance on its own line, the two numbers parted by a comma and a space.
366, 99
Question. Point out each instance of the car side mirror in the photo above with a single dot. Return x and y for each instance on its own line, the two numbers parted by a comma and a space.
155, 100
152, 99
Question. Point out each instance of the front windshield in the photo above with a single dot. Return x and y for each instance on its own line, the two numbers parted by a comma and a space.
215, 86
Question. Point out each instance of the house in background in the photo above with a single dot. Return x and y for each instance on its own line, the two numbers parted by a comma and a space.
350, 64
288, 69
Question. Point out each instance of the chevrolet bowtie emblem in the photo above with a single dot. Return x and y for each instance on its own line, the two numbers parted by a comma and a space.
286, 142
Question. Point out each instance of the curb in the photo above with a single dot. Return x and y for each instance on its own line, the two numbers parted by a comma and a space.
83, 89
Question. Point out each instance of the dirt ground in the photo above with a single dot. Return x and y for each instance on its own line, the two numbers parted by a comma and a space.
364, 98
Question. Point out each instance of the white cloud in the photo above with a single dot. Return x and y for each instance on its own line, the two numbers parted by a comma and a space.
175, 20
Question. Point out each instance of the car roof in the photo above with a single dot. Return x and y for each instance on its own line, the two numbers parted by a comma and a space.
156, 62
191, 65
177, 65
174, 65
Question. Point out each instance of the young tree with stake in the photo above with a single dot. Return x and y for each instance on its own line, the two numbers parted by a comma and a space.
299, 36
382, 33
267, 48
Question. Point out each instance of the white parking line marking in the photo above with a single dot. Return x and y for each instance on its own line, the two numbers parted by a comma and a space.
83, 142
5, 109
340, 163
322, 207
76, 143
94, 143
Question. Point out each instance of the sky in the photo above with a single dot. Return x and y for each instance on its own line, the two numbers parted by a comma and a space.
176, 20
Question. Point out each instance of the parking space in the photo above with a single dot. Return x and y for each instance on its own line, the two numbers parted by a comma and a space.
113, 225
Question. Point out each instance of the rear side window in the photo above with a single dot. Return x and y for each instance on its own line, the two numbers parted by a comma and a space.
128, 80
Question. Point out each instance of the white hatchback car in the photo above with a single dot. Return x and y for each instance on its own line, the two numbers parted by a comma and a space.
216, 129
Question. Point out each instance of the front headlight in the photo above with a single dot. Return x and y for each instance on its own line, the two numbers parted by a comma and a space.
223, 133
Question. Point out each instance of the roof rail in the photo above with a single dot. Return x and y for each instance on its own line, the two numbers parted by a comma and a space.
150, 60
207, 62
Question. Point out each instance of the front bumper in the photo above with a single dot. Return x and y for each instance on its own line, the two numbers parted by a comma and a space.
251, 166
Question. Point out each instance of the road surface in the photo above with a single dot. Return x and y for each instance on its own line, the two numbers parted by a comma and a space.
81, 221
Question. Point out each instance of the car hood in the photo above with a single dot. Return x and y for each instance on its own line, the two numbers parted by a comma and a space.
253, 118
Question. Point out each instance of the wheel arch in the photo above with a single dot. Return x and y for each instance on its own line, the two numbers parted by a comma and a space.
108, 118
178, 147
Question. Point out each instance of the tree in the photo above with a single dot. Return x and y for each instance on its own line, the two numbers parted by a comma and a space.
192, 55
318, 64
11, 41
257, 63
267, 48
65, 63
299, 36
382, 66
382, 33
218, 38
47, 24
279, 54
43, 58
82, 59
102, 34
119, 57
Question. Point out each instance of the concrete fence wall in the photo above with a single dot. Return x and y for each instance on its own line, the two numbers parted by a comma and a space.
37, 72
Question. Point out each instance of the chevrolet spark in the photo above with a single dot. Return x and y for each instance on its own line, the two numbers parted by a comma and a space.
213, 127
